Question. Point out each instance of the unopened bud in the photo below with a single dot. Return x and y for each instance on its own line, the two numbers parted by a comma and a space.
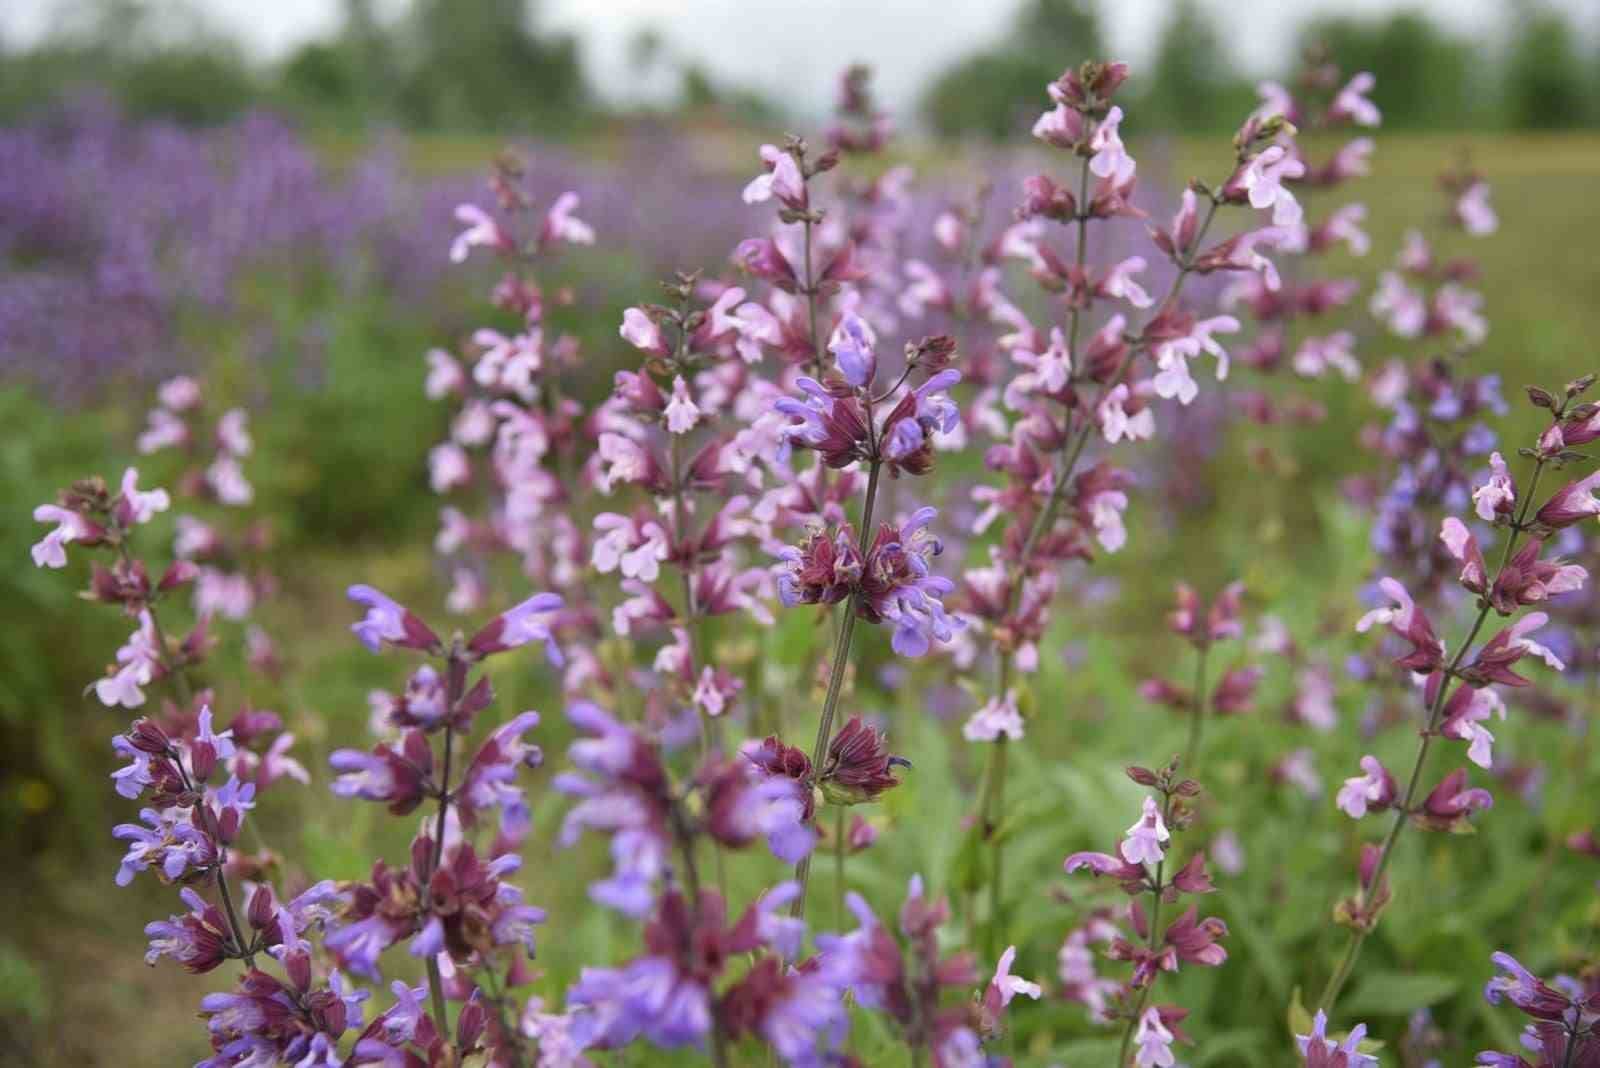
1540, 398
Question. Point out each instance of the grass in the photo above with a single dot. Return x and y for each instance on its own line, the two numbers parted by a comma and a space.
342, 477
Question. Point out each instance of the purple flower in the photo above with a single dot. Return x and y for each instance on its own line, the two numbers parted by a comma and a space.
169, 842
1319, 1052
852, 347
517, 626
389, 621
897, 586
1143, 844
198, 940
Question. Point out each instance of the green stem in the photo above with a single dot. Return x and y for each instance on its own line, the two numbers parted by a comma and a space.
836, 672
1402, 813
1153, 941
455, 676
839, 849
989, 818
1197, 715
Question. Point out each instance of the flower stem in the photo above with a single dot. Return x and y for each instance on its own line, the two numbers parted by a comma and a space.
691, 876
841, 656
1153, 941
1197, 715
455, 678
1402, 814
992, 799
838, 863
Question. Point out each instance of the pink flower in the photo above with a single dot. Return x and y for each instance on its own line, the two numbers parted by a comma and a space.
1352, 103
1060, 126
1119, 283
1473, 211
1572, 503
998, 717
681, 413
1115, 422
1344, 225
926, 290
51, 550
1351, 161
164, 431
782, 180
227, 481
1276, 101
1172, 378
1374, 789
139, 660
622, 460
1399, 306
1464, 716
138, 507
1262, 179
561, 225
1407, 621
448, 467
481, 230
1048, 371
1110, 159
444, 375
1154, 1042
1460, 543
1498, 496
636, 549
642, 332
1317, 354
1143, 842
233, 432
1007, 986
179, 394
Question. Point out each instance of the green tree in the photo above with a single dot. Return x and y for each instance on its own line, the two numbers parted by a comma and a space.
1191, 88
1545, 81
991, 91
1426, 77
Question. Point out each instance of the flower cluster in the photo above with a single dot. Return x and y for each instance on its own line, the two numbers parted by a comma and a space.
1139, 866
1563, 1025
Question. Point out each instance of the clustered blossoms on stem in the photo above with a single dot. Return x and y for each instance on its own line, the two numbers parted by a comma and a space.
1203, 627
1457, 684
1277, 301
514, 431
1087, 374
1563, 1029
1436, 437
907, 981
1140, 866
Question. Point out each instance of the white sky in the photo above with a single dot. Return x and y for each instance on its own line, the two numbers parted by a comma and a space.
792, 49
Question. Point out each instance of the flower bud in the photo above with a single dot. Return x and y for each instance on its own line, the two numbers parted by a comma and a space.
202, 760
262, 908
1540, 398
149, 738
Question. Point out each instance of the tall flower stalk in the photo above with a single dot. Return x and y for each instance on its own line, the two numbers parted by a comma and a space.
1458, 693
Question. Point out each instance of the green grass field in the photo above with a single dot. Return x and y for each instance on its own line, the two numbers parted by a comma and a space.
342, 472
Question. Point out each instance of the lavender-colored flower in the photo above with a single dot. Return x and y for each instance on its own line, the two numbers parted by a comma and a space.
389, 621
1318, 1051
1143, 844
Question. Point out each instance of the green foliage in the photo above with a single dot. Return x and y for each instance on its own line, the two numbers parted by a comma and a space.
1192, 87
1546, 85
1426, 77
993, 92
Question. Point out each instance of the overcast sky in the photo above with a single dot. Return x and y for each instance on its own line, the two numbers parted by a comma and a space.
791, 49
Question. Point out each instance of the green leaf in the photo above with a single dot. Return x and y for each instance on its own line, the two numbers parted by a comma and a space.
1396, 993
